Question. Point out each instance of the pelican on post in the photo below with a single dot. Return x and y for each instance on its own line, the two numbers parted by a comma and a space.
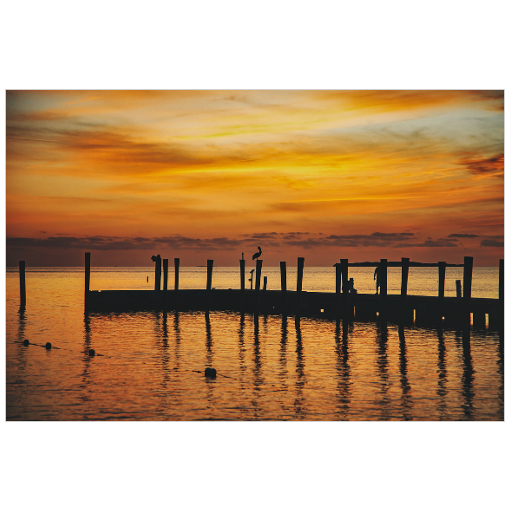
257, 255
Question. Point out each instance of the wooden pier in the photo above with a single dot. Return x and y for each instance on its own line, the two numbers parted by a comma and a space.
434, 311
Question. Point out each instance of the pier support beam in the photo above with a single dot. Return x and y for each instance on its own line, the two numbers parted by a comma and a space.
383, 275
300, 268
501, 295
283, 279
87, 277
177, 262
405, 313
165, 274
441, 270
466, 298
405, 278
22, 285
258, 272
157, 274
338, 287
345, 276
242, 265
347, 310
209, 283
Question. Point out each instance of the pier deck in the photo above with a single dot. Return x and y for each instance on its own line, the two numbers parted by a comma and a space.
425, 310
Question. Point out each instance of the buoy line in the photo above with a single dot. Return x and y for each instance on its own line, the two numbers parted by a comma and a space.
210, 373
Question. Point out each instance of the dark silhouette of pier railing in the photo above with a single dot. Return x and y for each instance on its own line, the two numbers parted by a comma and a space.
405, 308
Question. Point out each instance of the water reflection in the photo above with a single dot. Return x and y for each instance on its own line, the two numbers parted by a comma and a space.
22, 324
442, 375
501, 373
85, 375
257, 368
343, 368
407, 402
284, 333
468, 376
267, 375
300, 372
242, 349
382, 364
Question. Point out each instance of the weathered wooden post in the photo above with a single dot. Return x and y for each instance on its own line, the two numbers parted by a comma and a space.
383, 275
468, 277
338, 286
87, 277
405, 314
242, 265
165, 274
283, 279
157, 279
209, 283
22, 285
405, 277
441, 266
441, 269
383, 270
458, 289
501, 295
345, 276
265, 283
258, 271
300, 267
177, 262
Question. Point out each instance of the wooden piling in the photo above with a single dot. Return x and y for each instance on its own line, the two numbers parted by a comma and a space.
177, 262
405, 277
466, 298
468, 277
258, 271
338, 288
265, 283
242, 265
383, 277
458, 288
157, 279
501, 296
300, 268
87, 277
165, 274
22, 285
283, 279
441, 275
209, 283
345, 276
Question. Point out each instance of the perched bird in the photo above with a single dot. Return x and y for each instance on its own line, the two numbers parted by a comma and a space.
257, 255
154, 258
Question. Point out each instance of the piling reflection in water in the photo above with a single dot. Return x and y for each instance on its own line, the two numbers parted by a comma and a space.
149, 369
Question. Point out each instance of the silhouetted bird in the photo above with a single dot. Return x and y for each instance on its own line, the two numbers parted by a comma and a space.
257, 255
154, 258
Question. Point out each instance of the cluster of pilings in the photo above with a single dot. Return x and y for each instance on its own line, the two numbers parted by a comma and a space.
461, 310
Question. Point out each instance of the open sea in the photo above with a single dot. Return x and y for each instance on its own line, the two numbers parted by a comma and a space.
150, 365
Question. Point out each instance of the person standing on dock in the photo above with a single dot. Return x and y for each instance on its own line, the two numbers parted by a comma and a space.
377, 281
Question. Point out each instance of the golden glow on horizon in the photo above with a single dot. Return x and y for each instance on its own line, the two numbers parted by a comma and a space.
229, 164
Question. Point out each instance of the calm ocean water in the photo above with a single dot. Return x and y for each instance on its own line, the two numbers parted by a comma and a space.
150, 365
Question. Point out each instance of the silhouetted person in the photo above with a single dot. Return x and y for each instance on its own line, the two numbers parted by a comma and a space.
377, 281
257, 255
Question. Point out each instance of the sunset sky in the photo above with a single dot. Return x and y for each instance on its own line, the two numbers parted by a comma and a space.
204, 175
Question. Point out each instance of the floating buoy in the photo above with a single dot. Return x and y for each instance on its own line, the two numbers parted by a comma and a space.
48, 345
92, 352
210, 372
25, 343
